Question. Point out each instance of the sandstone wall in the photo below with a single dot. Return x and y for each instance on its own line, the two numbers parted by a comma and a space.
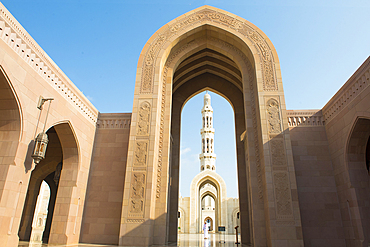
102, 213
317, 192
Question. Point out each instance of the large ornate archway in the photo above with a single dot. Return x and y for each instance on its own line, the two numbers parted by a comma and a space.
210, 49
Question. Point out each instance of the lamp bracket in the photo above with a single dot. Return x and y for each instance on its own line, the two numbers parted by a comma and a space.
41, 102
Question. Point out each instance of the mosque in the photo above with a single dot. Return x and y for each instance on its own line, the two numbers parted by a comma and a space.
208, 202
113, 179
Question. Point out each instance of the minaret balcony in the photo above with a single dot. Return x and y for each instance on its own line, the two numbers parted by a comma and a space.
207, 130
207, 156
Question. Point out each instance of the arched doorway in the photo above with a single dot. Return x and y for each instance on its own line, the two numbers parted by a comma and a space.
209, 49
48, 171
59, 170
209, 221
357, 195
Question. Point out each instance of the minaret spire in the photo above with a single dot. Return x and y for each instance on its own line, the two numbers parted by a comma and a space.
207, 156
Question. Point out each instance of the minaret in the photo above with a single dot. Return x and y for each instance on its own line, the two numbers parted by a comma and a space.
207, 157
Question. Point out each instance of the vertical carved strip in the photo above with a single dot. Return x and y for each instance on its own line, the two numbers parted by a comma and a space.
143, 123
160, 151
283, 198
280, 174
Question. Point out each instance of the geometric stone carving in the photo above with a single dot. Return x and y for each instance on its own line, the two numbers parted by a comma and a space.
143, 119
137, 197
141, 153
273, 116
282, 194
137, 221
277, 151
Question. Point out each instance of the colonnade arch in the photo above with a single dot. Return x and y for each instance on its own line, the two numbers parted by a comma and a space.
357, 195
59, 170
209, 49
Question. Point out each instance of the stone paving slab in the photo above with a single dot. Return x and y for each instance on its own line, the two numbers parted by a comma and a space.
184, 240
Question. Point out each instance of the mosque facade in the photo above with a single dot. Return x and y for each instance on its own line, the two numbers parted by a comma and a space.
113, 178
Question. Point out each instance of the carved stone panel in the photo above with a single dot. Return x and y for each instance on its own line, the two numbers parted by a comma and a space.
283, 198
137, 196
277, 148
273, 116
141, 153
143, 123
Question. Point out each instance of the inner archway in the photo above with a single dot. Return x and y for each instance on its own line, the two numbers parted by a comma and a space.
213, 115
207, 69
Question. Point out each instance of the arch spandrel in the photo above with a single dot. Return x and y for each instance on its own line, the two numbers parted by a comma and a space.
261, 47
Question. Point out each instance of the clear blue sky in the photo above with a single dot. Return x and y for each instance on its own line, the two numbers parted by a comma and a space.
97, 44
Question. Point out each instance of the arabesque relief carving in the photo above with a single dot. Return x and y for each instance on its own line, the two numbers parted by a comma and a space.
278, 151
265, 53
141, 153
273, 117
143, 122
137, 197
282, 193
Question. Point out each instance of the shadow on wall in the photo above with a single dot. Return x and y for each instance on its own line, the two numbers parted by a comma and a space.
29, 161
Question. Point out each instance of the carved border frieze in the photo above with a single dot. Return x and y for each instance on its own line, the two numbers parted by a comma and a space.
17, 38
305, 118
356, 84
137, 221
264, 51
114, 121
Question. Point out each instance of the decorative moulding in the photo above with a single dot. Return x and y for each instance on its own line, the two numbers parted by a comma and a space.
14, 35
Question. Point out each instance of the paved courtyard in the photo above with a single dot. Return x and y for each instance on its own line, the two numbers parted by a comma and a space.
215, 240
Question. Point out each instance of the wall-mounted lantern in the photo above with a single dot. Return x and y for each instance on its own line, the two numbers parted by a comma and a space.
41, 141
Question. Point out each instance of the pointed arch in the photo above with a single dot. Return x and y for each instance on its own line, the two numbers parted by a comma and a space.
210, 48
